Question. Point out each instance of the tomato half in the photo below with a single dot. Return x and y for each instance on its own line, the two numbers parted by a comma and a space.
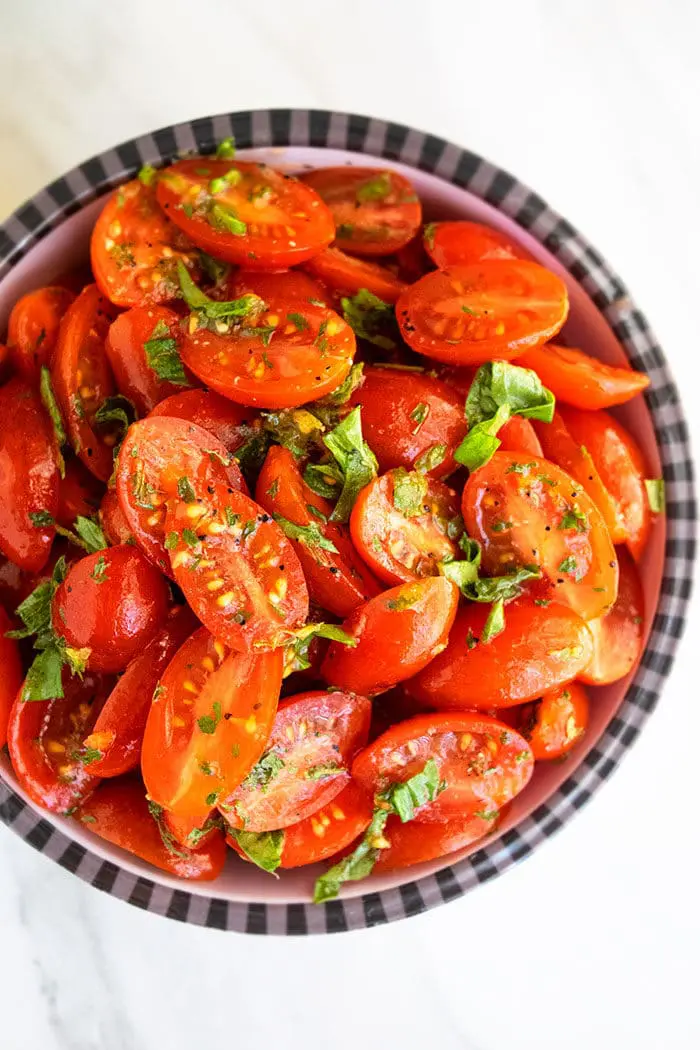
415, 842
32, 329
230, 423
79, 494
142, 347
540, 648
618, 636
580, 380
530, 512
470, 314
329, 829
398, 633
11, 677
208, 724
346, 275
554, 724
245, 213
114, 524
375, 212
462, 243
29, 480
291, 284
314, 738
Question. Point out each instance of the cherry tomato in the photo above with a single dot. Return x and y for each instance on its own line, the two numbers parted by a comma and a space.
82, 378
329, 830
245, 213
518, 435
556, 722
11, 677
397, 633
527, 511
291, 284
620, 464
29, 479
119, 813
482, 762
346, 275
236, 567
187, 830
412, 261
32, 329
4, 363
142, 349
114, 524
134, 249
540, 648
314, 738
232, 424
470, 314
618, 636
415, 842
79, 494
375, 212
463, 243
13, 584
406, 414
208, 724
401, 541
337, 579
110, 603
583, 381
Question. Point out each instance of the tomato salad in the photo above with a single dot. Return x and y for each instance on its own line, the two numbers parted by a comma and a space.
312, 539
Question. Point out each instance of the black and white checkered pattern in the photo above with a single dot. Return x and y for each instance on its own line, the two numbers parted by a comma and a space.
462, 168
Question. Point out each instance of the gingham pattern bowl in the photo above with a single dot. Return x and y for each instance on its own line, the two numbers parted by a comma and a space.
50, 232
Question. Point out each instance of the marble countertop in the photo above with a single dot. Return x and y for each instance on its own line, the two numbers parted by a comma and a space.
595, 940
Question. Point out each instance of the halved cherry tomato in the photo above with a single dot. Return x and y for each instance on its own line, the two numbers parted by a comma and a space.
79, 494
556, 722
119, 813
620, 464
117, 734
11, 676
232, 424
619, 634
404, 524
134, 249
530, 512
375, 212
187, 829
29, 479
482, 762
414, 842
329, 830
32, 329
411, 261
245, 213
540, 648
209, 723
114, 524
45, 741
142, 347
470, 314
398, 633
580, 380
237, 569
291, 284
337, 579
462, 243
82, 378
314, 738
111, 603
346, 275
518, 435
405, 414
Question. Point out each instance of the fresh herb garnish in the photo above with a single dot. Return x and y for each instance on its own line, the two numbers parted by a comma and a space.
574, 518
185, 490
419, 415
264, 771
210, 311
163, 356
262, 848
355, 459
208, 723
431, 458
656, 494
299, 643
48, 398
495, 621
310, 535
226, 150
371, 318
377, 188
410, 491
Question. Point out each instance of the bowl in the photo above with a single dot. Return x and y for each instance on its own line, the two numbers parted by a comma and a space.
50, 233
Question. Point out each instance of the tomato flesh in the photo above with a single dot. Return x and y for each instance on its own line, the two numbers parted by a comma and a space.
554, 724
330, 829
416, 842
32, 329
346, 276
114, 524
127, 345
618, 636
583, 381
463, 243
230, 423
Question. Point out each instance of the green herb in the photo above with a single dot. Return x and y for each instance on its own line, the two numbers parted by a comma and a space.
499, 383
430, 459
116, 414
216, 270
44, 677
89, 755
209, 311
226, 150
222, 217
273, 489
310, 535
224, 182
163, 356
208, 723
465, 571
262, 848
501, 526
141, 489
354, 458
503, 588
568, 565
371, 318
232, 518
299, 321
248, 529
406, 597
264, 771
166, 834
410, 491
147, 174
316, 513
486, 814
656, 494
48, 398
123, 255
574, 518
321, 772
87, 534
41, 519
523, 756
480, 443
467, 310
99, 573
521, 468
345, 230
471, 641
342, 394
301, 639
417, 791
211, 798
429, 235
419, 415
377, 188
495, 621
87, 818
185, 490
325, 479
190, 537
195, 837
171, 541
544, 602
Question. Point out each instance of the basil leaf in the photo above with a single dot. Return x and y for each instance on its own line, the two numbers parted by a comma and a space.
430, 459
50, 403
358, 864
499, 383
500, 588
320, 772
167, 837
377, 188
310, 535
463, 573
262, 848
325, 479
44, 678
91, 534
656, 494
371, 318
209, 309
481, 442
35, 611
297, 429
226, 150
223, 217
495, 621
410, 491
147, 174
116, 414
163, 356
264, 771
342, 394
216, 270
419, 789
197, 834
355, 459
301, 643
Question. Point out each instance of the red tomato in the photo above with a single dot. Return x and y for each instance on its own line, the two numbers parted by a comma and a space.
399, 541
346, 275
620, 464
540, 648
583, 381
142, 349
470, 314
4, 362
618, 636
32, 329
406, 414
397, 633
230, 423
518, 435
412, 261
119, 813
556, 722
464, 243
79, 494
114, 524
329, 830
11, 677
28, 477
483, 763
82, 378
314, 738
209, 723
337, 579
415, 842
237, 569
187, 830
117, 734
45, 739
134, 249
527, 511
245, 213
14, 584
375, 212
110, 603
291, 284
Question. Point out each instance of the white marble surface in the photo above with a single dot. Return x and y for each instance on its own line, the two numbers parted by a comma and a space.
595, 940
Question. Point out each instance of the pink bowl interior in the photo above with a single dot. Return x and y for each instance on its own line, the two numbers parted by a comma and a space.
67, 246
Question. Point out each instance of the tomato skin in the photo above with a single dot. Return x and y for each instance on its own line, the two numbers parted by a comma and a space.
388, 397
338, 582
329, 830
114, 524
412, 261
32, 329
518, 435
29, 480
618, 636
554, 724
346, 275
290, 284
583, 381
500, 319
415, 842
463, 243
227, 421
79, 494
118, 813
125, 348
394, 639
112, 603
11, 677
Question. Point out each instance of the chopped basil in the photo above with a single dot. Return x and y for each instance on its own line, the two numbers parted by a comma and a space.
480, 443
410, 491
331, 769
190, 537
501, 526
495, 621
656, 494
299, 321
197, 834
99, 573
574, 518
429, 234
354, 458
430, 459
41, 519
147, 174
325, 479
568, 565
264, 771
310, 535
226, 150
500, 383
211, 798
378, 188
209, 311
263, 848
185, 490
302, 638
163, 356
48, 398
415, 792
167, 837
342, 394
371, 318
222, 217
501, 588
116, 414
222, 182
273, 489
419, 415
171, 541
44, 677
208, 723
